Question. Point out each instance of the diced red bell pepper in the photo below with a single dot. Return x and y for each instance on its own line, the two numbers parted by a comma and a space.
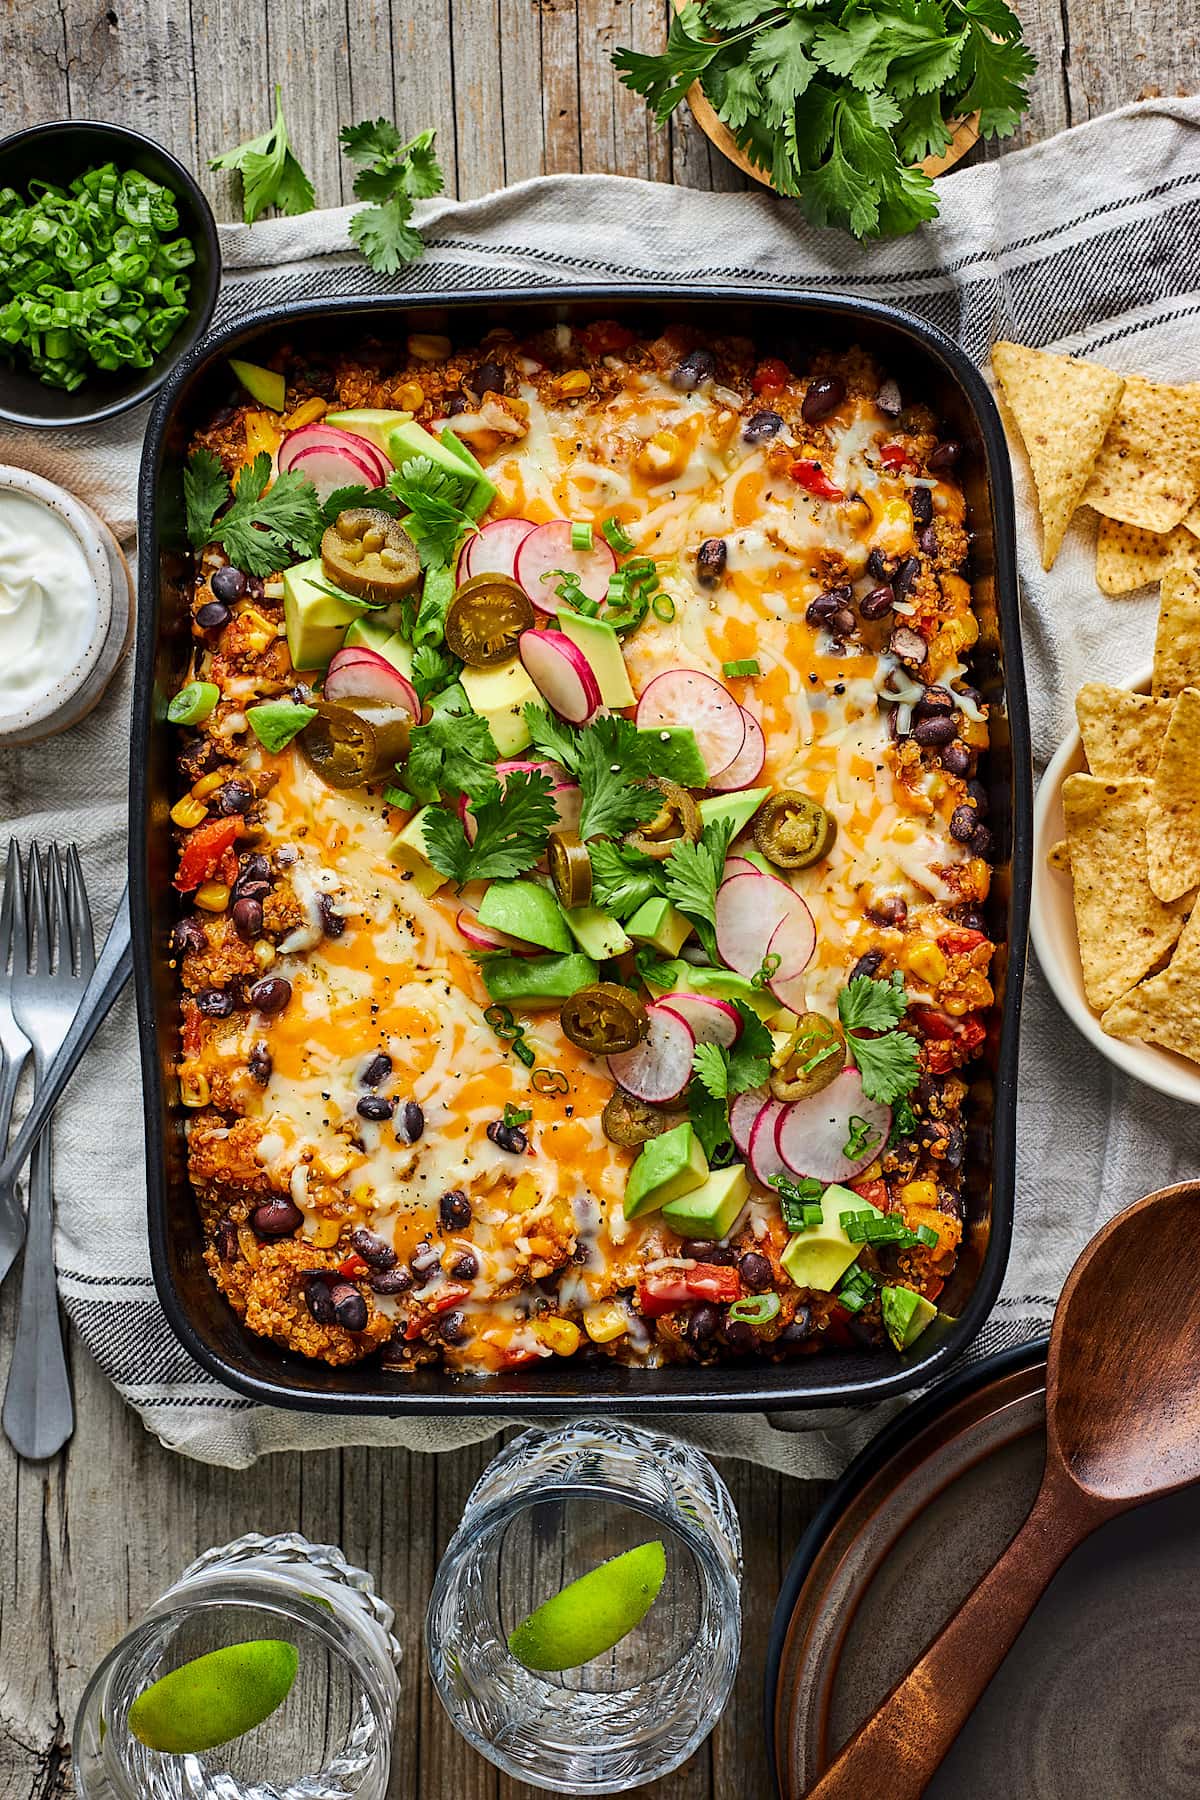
894, 457
838, 1331
771, 376
606, 338
933, 1023
959, 939
659, 1294
973, 1033
515, 1359
940, 1058
202, 852
874, 1192
449, 1296
354, 1267
813, 479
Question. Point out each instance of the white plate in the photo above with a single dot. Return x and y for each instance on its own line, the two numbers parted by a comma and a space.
1052, 926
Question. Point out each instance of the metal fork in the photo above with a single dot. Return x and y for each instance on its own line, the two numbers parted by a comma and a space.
14, 1048
54, 954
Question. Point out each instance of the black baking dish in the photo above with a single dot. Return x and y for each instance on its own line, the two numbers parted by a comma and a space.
930, 367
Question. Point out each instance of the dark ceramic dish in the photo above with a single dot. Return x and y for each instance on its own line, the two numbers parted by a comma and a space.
57, 152
933, 369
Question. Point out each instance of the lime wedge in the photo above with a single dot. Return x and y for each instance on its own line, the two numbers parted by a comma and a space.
215, 1697
592, 1614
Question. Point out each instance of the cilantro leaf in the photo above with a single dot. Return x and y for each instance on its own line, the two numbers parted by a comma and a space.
556, 740
868, 1004
205, 491
665, 79
734, 92
429, 626
344, 497
271, 175
397, 174
452, 754
371, 140
262, 531
888, 1065
710, 1121
434, 500
904, 46
779, 57
621, 879
384, 235
420, 170
614, 757
512, 828
711, 1064
996, 66
749, 1059
921, 130
691, 876
433, 668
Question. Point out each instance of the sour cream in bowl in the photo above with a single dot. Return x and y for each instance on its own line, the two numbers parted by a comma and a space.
65, 607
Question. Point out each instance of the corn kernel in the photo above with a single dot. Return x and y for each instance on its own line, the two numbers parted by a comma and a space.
333, 1163
263, 953
558, 1335
428, 347
410, 395
927, 962
575, 381
249, 1247
524, 1194
307, 413
605, 1320
207, 784
326, 1233
193, 1087
662, 455
919, 1193
188, 812
262, 434
213, 896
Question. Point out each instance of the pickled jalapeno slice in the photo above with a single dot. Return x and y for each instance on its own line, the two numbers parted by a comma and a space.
630, 1122
677, 821
813, 1056
604, 1019
486, 619
369, 554
793, 830
348, 746
570, 868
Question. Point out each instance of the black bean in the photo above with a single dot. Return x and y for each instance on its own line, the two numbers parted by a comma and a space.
740, 1335
944, 455
755, 1271
260, 1064
710, 562
706, 1252
458, 404
247, 915
254, 587
508, 1137
254, 878
372, 1249
693, 370
881, 565
189, 937
228, 584
933, 732
908, 644
963, 823
928, 541
905, 575
390, 1281
332, 922
799, 1331
213, 615
762, 425
454, 1209
349, 1307
888, 400
879, 601
824, 396
934, 700
465, 1266
214, 1003
702, 1323
271, 996
889, 909
377, 1070
983, 844
319, 1300
452, 1328
841, 623
822, 609
235, 797
971, 919
410, 1122
921, 501
955, 759
375, 1107
867, 964
227, 1241
979, 794
488, 378
423, 1262
952, 1155
276, 1218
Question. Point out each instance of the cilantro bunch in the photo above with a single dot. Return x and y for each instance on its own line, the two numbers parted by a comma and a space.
836, 100
263, 528
395, 173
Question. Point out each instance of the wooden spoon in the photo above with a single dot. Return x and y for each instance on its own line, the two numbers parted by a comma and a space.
1122, 1426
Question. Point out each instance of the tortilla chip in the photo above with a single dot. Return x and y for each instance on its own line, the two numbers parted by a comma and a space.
1122, 732
1128, 558
1124, 930
1177, 639
1148, 469
1173, 824
1058, 856
1192, 521
1166, 1009
1063, 408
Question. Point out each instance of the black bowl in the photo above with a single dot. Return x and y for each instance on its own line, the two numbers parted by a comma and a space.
57, 152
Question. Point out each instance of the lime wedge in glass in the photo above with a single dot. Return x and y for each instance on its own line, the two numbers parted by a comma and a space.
215, 1697
592, 1614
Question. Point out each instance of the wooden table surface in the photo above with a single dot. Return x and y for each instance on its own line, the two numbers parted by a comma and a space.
516, 88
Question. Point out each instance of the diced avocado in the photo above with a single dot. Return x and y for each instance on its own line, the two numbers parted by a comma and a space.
668, 1167
722, 984
819, 1257
677, 754
410, 440
537, 980
525, 910
500, 694
596, 933
398, 652
661, 925
374, 423
602, 648
483, 492
316, 620
370, 633
407, 850
710, 1210
905, 1315
760, 862
741, 808
264, 385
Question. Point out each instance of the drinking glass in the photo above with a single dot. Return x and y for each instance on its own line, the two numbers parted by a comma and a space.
553, 1505
329, 1740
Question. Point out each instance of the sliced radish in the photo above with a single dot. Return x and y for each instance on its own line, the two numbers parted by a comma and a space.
340, 447
689, 697
812, 1134
547, 551
739, 865
492, 550
747, 765
710, 1021
762, 1153
743, 1111
660, 1067
362, 674
750, 909
482, 937
329, 470
562, 674
793, 942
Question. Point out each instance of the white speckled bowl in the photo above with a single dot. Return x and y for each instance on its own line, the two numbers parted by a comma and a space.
1052, 927
80, 687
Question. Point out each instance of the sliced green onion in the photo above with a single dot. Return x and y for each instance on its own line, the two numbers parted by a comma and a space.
762, 976
758, 1309
193, 703
663, 607
617, 536
860, 1137
551, 1081
733, 671
523, 1051
581, 535
927, 1235
502, 1022
517, 1115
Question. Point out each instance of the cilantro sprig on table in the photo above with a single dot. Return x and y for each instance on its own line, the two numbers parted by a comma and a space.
262, 529
271, 174
396, 174
837, 99
888, 1062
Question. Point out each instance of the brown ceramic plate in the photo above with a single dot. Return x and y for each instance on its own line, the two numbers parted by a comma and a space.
1097, 1696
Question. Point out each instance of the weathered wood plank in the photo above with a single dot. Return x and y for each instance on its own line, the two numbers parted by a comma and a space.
308, 53
520, 54
233, 94
34, 64
478, 96
423, 75
560, 85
